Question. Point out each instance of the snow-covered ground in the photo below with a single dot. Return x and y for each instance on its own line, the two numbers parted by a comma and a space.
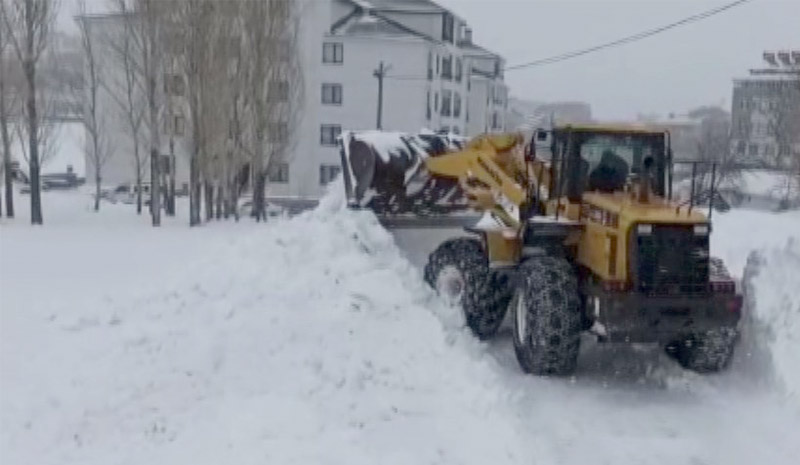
313, 340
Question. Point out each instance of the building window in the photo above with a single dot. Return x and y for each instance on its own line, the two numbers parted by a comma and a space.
457, 105
329, 133
328, 173
278, 91
166, 166
278, 173
332, 52
278, 132
430, 66
436, 102
459, 69
447, 68
769, 150
428, 106
447, 100
444, 129
438, 68
499, 95
174, 85
752, 150
495, 120
448, 26
175, 125
456, 130
332, 94
740, 146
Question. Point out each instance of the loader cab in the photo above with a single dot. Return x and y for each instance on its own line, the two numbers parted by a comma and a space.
605, 159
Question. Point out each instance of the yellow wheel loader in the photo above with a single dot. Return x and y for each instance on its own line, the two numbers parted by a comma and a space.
576, 231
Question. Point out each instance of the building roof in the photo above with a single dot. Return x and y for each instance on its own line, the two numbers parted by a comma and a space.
369, 24
367, 19
475, 49
409, 6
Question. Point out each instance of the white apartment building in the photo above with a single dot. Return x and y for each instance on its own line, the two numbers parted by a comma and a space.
488, 95
436, 79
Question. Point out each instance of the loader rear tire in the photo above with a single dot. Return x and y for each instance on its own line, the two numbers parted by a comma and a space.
547, 317
459, 271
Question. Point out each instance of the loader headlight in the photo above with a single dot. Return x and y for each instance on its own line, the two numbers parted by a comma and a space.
644, 229
701, 230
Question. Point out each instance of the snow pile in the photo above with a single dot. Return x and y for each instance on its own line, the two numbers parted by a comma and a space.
310, 341
771, 283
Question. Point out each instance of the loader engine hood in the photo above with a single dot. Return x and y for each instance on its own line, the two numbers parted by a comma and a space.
385, 172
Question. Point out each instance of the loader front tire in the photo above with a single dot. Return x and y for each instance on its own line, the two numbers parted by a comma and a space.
459, 271
707, 352
547, 317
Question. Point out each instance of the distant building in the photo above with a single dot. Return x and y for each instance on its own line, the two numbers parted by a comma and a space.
488, 94
684, 132
766, 111
433, 67
526, 115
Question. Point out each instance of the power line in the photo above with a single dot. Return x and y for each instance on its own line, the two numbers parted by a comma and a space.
628, 39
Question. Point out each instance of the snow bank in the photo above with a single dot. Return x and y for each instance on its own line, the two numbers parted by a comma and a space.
309, 341
312, 341
738, 232
772, 283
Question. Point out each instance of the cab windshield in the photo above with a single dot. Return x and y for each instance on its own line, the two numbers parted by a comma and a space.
605, 161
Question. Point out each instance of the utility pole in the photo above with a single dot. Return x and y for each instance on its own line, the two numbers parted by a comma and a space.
380, 73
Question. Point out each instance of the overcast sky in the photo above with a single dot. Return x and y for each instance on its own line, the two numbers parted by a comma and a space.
672, 72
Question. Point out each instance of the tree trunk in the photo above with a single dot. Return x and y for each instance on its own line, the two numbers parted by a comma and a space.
138, 186
258, 196
155, 188
155, 165
33, 130
228, 201
171, 188
97, 190
219, 200
8, 175
209, 200
194, 191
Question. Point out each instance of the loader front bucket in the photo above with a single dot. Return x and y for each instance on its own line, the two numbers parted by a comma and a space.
385, 172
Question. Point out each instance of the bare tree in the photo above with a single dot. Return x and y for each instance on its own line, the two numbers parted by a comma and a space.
192, 41
714, 146
274, 89
30, 23
99, 149
125, 90
149, 16
8, 102
235, 161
